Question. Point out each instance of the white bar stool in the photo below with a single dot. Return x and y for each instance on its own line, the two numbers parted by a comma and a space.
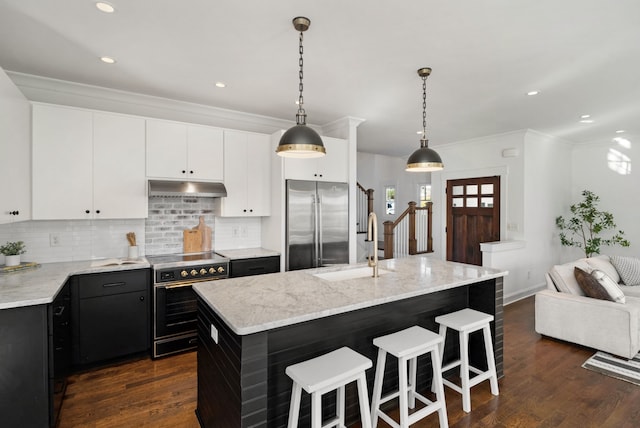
467, 321
407, 345
328, 372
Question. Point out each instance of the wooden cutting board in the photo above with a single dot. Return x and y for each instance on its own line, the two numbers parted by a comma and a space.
192, 241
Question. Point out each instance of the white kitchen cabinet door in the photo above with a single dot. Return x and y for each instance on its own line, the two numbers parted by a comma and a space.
119, 183
15, 153
166, 151
334, 166
177, 150
247, 169
205, 153
62, 163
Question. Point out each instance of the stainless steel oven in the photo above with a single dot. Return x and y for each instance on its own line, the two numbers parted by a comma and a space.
174, 301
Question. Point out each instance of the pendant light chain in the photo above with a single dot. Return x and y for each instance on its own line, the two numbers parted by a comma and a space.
424, 107
301, 111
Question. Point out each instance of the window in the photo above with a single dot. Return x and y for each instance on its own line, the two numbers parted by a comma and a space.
424, 194
390, 199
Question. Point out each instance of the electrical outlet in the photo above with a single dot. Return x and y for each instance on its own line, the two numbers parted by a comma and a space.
214, 333
235, 232
244, 232
54, 240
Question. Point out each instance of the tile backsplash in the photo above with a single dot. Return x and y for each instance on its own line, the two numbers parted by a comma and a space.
161, 233
69, 240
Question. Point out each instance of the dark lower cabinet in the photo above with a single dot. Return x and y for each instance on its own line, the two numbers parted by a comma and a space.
111, 315
254, 266
34, 362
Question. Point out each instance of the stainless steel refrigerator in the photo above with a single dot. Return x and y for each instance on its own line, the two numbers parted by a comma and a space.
317, 224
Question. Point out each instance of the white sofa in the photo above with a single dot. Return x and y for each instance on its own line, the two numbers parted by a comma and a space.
562, 311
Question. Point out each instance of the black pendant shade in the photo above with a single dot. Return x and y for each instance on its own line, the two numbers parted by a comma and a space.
424, 159
301, 141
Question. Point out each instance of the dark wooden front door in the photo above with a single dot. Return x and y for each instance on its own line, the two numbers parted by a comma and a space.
473, 216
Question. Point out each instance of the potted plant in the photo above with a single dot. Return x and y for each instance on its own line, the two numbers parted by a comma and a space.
11, 252
584, 228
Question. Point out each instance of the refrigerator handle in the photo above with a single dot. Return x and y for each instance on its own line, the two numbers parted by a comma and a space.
319, 232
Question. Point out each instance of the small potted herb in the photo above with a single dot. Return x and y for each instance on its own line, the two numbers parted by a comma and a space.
11, 252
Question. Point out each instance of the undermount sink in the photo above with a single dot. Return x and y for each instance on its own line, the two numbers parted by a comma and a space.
341, 275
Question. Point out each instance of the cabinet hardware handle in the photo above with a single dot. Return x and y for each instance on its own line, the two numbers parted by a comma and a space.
114, 284
184, 171
87, 211
142, 298
97, 211
190, 172
59, 311
192, 341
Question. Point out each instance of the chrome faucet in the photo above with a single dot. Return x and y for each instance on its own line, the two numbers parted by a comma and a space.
372, 229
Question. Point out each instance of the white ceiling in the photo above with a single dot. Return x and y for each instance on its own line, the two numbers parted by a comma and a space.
360, 60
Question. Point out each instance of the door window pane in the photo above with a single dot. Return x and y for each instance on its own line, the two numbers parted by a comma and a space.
458, 190
487, 202
472, 189
487, 189
472, 202
458, 202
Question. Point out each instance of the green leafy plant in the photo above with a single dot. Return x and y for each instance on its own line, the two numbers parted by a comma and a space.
583, 229
13, 248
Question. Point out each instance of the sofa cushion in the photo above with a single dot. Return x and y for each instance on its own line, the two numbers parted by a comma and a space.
630, 291
628, 268
603, 263
609, 285
565, 280
590, 285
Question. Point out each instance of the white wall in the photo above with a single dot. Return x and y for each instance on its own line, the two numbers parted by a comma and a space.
618, 192
535, 181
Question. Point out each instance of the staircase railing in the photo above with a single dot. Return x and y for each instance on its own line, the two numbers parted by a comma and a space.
410, 233
364, 202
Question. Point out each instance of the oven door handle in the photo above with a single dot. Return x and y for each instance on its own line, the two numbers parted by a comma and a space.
169, 287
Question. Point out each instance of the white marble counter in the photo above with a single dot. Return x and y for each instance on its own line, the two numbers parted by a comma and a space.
40, 285
247, 253
258, 303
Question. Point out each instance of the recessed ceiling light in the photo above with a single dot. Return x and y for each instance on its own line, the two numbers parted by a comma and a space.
585, 116
107, 60
586, 121
531, 93
620, 131
419, 132
220, 84
105, 7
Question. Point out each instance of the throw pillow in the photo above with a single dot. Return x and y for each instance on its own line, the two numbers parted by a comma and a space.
564, 278
603, 263
614, 291
590, 285
628, 268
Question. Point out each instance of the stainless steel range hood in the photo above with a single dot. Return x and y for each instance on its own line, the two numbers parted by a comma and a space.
199, 189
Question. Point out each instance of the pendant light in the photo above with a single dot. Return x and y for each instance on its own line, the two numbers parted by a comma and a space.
424, 159
301, 141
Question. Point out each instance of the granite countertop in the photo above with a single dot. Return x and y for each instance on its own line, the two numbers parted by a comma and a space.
257, 303
40, 285
247, 253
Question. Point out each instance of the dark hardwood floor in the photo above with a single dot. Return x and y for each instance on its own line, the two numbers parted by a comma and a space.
543, 386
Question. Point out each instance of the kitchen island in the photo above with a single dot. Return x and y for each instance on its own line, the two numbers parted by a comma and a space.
250, 329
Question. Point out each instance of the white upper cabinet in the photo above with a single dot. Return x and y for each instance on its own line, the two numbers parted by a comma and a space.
334, 166
178, 150
15, 153
119, 182
87, 164
247, 177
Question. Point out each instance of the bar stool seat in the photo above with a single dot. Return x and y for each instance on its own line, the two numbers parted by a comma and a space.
328, 372
406, 345
467, 321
